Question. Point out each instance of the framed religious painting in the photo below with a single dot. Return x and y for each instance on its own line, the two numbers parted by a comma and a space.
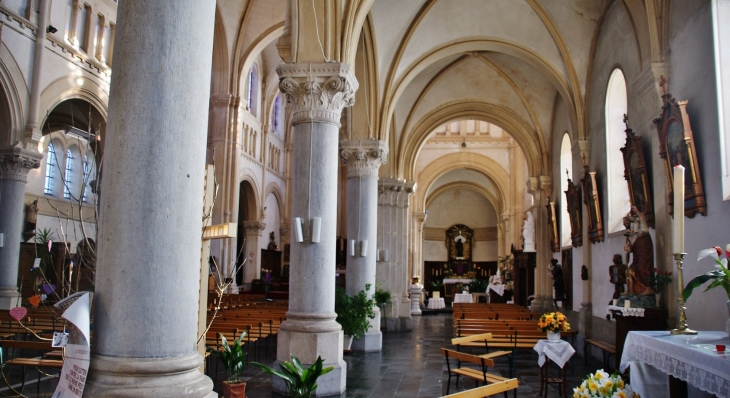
458, 243
637, 176
676, 146
573, 201
553, 226
593, 205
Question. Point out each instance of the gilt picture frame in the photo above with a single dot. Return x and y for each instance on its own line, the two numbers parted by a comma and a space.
637, 176
677, 146
572, 197
593, 205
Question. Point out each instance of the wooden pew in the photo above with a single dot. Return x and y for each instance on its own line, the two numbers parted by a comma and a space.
478, 374
485, 391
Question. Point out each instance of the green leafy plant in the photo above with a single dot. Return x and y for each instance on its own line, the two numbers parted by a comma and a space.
381, 296
478, 286
353, 312
437, 285
300, 382
232, 357
719, 276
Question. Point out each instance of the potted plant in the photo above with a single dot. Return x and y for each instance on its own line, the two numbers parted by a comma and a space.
381, 296
720, 276
232, 357
354, 312
553, 323
436, 286
300, 382
478, 286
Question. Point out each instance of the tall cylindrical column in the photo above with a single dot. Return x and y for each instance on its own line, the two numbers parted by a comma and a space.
317, 93
252, 254
147, 278
14, 165
363, 159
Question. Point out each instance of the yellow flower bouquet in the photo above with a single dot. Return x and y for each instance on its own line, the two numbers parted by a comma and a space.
553, 322
601, 384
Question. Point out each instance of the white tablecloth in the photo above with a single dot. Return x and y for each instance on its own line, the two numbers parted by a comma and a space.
558, 351
457, 280
499, 289
691, 358
462, 298
436, 303
633, 311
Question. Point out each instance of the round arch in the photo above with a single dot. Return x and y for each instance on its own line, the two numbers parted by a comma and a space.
470, 161
491, 198
14, 87
252, 207
469, 45
273, 188
71, 87
531, 144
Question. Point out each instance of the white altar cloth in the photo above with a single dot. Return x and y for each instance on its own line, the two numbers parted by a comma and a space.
436, 303
499, 289
631, 311
691, 358
457, 280
463, 298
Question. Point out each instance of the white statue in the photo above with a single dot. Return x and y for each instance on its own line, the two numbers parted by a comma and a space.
528, 233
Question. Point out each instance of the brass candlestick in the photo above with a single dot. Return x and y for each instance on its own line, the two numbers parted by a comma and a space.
682, 324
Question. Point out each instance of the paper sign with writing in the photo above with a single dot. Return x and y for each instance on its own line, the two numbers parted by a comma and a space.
36, 263
73, 374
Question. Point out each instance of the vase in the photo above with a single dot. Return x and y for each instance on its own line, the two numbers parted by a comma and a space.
553, 336
235, 390
727, 323
347, 343
657, 297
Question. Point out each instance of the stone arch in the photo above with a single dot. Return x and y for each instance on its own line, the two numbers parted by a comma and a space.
455, 161
476, 44
14, 89
253, 52
221, 65
527, 138
68, 87
491, 198
275, 189
252, 207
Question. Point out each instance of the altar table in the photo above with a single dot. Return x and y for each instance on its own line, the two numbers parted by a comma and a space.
652, 355
436, 303
463, 298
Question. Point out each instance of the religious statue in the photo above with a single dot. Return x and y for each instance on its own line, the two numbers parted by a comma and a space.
459, 245
638, 243
272, 242
617, 275
528, 233
558, 284
31, 214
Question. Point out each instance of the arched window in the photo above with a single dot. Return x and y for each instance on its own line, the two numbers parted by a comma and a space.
566, 166
275, 114
51, 163
252, 91
616, 186
68, 176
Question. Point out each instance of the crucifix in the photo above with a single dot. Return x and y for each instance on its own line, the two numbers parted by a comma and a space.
626, 121
663, 84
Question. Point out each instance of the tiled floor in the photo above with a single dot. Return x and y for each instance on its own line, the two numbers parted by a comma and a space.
409, 366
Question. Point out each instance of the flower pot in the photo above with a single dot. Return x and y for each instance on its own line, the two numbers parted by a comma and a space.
236, 390
657, 297
347, 343
553, 336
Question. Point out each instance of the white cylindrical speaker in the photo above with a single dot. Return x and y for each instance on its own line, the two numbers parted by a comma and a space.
385, 255
352, 247
298, 229
316, 229
363, 248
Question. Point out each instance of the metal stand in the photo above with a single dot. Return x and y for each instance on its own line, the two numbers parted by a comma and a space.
682, 324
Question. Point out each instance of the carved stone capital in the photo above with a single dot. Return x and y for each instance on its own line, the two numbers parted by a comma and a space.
363, 157
254, 227
16, 161
317, 91
546, 184
395, 192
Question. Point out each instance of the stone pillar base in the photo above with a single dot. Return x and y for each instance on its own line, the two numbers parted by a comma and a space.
400, 324
9, 298
369, 342
307, 346
147, 377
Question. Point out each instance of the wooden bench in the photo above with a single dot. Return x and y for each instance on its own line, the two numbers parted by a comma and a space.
606, 348
36, 362
485, 391
477, 374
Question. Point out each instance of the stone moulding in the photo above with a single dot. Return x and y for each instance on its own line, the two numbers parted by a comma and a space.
318, 91
363, 157
16, 161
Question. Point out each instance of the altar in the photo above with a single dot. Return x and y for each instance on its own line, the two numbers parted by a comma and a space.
653, 356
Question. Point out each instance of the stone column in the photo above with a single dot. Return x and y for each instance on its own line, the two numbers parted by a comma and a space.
252, 254
542, 186
148, 271
419, 222
585, 314
14, 165
317, 93
363, 159
393, 200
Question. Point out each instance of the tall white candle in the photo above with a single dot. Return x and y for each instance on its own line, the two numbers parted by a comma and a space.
678, 230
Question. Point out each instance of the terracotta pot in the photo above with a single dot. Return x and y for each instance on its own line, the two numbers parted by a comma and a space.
237, 390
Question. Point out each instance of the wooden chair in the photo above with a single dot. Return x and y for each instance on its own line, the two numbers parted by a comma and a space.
477, 374
485, 391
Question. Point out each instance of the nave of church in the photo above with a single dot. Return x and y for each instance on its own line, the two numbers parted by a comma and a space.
525, 147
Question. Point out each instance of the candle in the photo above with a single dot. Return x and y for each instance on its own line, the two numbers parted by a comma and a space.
678, 226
